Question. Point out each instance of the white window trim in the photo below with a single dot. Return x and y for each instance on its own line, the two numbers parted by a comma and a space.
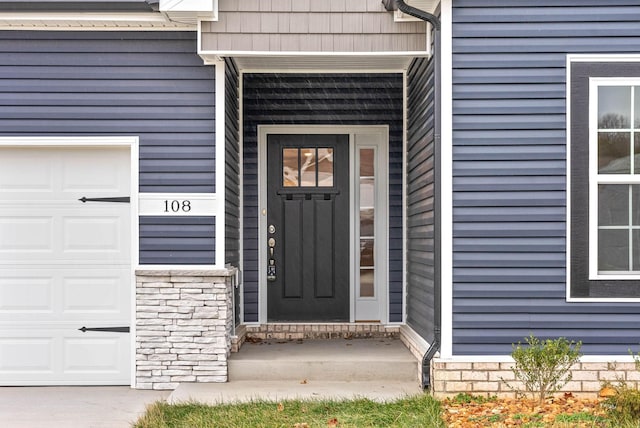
595, 179
570, 59
352, 131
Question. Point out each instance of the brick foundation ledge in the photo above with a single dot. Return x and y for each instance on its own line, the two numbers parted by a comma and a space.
184, 320
485, 378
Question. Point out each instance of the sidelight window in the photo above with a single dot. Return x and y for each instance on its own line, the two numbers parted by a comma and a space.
367, 203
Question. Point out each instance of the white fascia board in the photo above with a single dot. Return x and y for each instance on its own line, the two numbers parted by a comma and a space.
190, 9
209, 6
90, 21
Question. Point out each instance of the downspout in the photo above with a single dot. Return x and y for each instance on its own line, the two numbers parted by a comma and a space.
435, 24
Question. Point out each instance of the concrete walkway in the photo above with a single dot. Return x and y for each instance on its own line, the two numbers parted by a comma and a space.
73, 406
244, 391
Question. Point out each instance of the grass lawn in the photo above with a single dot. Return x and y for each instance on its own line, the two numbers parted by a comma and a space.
463, 411
418, 411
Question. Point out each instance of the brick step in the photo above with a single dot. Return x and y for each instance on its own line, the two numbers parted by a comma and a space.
326, 360
292, 331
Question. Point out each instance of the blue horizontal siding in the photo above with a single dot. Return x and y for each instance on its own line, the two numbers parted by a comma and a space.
509, 172
151, 85
177, 240
421, 199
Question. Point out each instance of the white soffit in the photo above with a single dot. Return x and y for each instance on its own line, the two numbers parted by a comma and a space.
316, 61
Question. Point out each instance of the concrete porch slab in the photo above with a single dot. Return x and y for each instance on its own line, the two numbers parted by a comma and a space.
380, 369
355, 360
246, 391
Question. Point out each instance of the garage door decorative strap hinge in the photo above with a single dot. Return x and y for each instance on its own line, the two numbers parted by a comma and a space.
124, 199
106, 329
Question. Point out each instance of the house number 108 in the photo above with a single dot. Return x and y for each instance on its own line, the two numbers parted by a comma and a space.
177, 206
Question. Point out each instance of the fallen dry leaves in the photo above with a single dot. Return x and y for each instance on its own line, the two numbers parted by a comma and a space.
509, 412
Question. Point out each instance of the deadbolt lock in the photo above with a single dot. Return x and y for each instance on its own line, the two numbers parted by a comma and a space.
272, 229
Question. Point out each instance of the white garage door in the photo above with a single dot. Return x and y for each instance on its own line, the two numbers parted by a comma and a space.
64, 265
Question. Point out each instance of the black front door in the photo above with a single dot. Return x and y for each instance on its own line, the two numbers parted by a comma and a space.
308, 227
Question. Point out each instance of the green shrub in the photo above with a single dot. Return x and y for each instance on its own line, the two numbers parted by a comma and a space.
624, 407
543, 366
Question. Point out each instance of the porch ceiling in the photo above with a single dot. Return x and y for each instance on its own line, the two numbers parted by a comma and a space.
316, 61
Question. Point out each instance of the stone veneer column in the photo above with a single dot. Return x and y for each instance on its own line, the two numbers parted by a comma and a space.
184, 321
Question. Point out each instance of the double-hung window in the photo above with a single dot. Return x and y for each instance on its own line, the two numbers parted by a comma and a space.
614, 181
604, 261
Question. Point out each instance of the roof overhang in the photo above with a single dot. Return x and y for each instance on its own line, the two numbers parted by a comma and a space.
106, 15
77, 5
316, 61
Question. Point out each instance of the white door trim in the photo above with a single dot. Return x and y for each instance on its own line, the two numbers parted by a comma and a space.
118, 141
352, 131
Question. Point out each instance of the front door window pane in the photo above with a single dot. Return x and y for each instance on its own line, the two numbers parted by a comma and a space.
308, 168
290, 167
325, 167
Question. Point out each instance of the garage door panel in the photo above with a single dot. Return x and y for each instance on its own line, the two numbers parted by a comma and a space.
48, 174
26, 355
52, 295
90, 234
25, 173
20, 235
95, 295
81, 172
28, 295
92, 354
63, 356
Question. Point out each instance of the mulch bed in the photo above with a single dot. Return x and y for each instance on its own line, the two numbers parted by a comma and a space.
562, 411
